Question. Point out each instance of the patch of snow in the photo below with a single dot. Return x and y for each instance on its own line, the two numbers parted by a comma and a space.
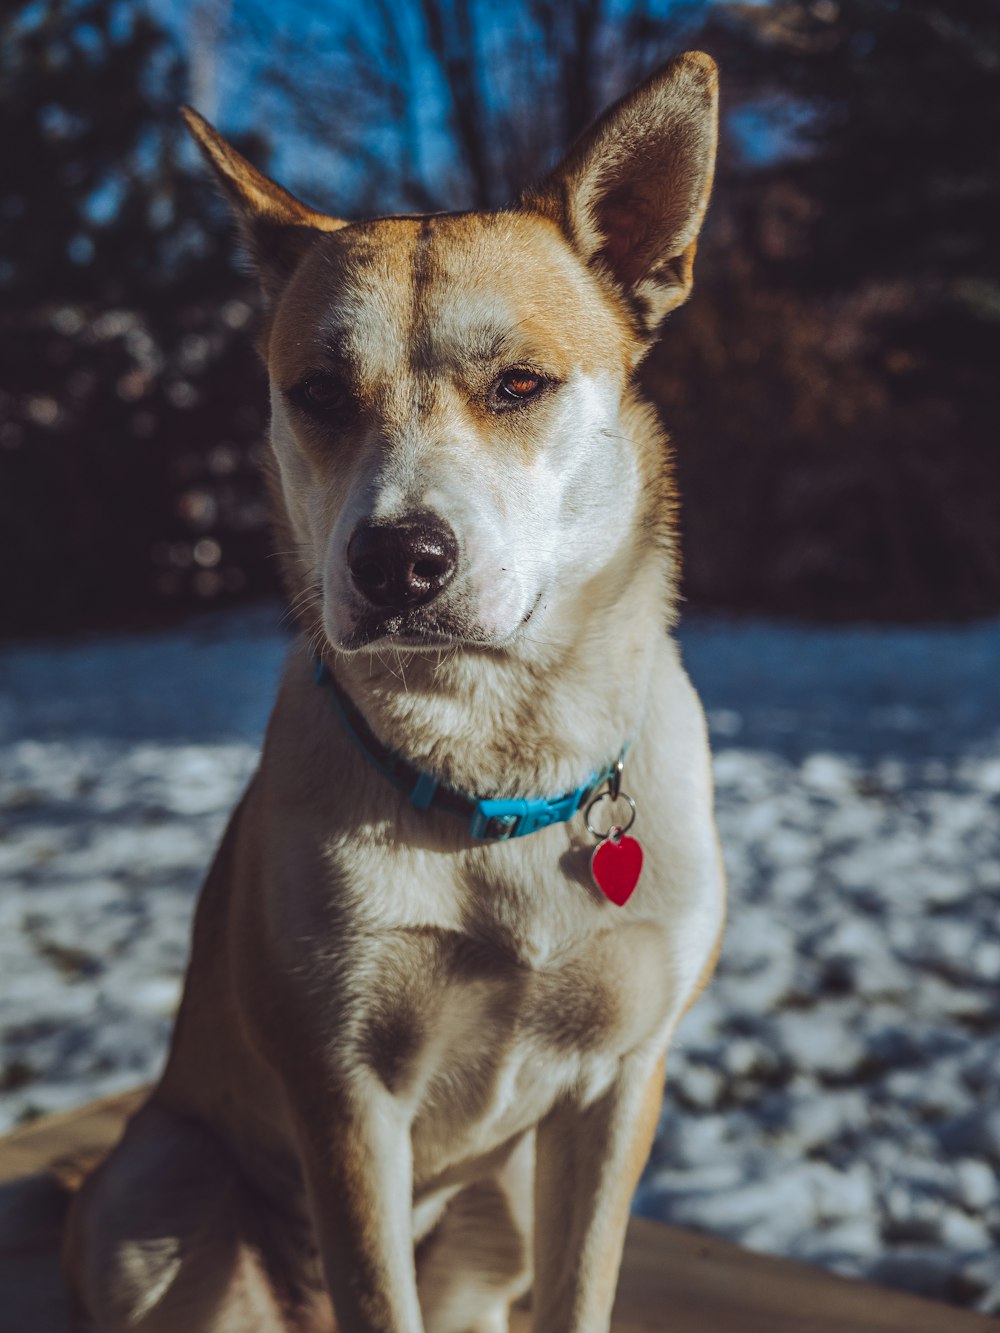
834, 1094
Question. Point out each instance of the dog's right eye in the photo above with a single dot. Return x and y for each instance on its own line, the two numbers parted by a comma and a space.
323, 395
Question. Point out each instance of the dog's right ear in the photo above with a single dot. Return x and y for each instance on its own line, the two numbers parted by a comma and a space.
277, 229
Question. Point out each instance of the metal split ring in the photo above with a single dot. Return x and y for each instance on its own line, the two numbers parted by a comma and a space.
607, 796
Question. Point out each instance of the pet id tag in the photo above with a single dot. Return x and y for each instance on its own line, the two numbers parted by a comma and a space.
616, 861
616, 865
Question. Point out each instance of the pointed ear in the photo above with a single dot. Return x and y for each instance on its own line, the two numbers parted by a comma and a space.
277, 229
631, 193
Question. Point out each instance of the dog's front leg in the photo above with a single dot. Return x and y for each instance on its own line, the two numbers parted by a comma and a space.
589, 1159
356, 1152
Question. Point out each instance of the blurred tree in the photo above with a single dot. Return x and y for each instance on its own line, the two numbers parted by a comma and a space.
831, 388
125, 413
88, 93
905, 98
450, 103
850, 312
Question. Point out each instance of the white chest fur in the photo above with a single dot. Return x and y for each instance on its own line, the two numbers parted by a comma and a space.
479, 984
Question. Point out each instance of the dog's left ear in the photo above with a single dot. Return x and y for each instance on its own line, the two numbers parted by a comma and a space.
631, 193
277, 229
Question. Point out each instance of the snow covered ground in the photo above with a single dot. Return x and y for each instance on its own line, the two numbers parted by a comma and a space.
835, 1093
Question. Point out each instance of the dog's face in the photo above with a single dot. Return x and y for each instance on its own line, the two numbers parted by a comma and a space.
450, 393
446, 396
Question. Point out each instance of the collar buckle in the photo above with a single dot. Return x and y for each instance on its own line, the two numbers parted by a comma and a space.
496, 821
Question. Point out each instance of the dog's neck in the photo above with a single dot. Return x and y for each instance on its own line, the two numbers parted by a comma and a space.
537, 718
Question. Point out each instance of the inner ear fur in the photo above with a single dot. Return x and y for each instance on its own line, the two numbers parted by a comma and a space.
276, 228
631, 193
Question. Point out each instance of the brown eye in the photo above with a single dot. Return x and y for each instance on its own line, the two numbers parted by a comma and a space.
517, 386
323, 395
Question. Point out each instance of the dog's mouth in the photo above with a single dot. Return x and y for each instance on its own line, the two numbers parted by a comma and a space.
418, 631
407, 630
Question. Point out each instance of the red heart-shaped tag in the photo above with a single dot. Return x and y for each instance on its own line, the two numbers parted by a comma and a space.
616, 867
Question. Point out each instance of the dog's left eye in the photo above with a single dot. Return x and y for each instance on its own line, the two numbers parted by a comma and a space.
517, 386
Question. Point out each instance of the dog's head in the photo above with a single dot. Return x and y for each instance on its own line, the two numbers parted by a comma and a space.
456, 433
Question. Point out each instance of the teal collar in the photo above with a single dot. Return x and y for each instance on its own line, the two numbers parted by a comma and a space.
491, 821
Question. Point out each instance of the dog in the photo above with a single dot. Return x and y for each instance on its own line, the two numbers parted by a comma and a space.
419, 1059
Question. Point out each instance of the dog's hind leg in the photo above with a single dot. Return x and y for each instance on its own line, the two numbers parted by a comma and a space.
157, 1240
477, 1260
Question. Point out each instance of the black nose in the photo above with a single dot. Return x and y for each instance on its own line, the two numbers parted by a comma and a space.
397, 565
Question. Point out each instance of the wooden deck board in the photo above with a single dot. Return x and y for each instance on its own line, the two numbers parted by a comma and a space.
672, 1280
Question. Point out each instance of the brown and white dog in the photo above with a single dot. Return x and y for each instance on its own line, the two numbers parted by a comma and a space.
416, 1071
